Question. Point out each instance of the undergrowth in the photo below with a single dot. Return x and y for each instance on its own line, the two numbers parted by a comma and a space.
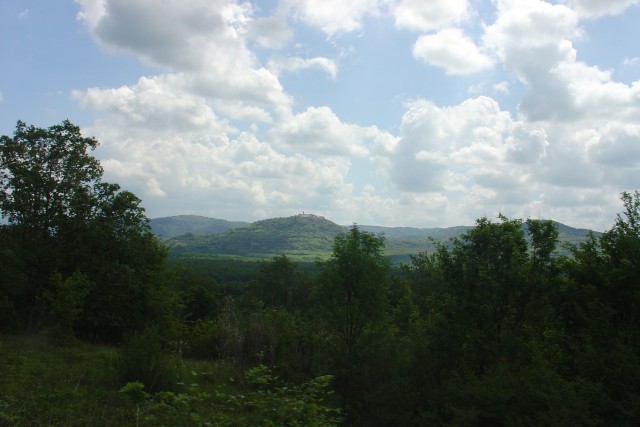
45, 384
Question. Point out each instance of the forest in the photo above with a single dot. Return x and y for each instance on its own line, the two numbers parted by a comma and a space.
498, 327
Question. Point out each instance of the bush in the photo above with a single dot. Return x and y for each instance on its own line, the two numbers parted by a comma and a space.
203, 340
143, 358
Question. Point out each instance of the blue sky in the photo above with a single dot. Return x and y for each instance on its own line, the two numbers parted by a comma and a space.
385, 112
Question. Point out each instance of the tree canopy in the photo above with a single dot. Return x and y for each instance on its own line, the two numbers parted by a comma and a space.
64, 222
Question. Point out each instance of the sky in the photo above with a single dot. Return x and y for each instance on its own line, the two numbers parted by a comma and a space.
376, 112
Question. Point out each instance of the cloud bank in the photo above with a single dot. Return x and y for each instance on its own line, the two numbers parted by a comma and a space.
216, 131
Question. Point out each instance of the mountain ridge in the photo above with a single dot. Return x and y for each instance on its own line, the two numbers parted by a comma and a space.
302, 236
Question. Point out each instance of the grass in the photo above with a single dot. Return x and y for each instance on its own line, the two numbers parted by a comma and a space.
42, 384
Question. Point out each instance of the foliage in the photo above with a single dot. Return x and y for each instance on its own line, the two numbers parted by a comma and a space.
262, 403
43, 384
64, 302
64, 224
144, 358
350, 300
276, 282
78, 386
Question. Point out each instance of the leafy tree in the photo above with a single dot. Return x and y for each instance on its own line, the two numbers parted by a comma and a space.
276, 281
351, 298
352, 288
63, 220
599, 309
65, 300
485, 318
45, 176
621, 247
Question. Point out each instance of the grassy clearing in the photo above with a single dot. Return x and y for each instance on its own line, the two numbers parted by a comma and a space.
42, 384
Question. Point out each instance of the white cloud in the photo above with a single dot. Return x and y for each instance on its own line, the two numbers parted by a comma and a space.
214, 175
23, 14
534, 40
91, 11
526, 145
202, 42
215, 133
333, 16
597, 8
195, 36
270, 31
452, 50
153, 105
618, 146
437, 141
502, 87
525, 25
318, 131
431, 15
292, 64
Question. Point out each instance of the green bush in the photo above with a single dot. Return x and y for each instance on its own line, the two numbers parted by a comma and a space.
143, 358
203, 339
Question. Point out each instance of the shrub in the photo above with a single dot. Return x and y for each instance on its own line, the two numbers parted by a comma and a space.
143, 358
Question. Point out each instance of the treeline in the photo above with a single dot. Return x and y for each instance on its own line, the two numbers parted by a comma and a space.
494, 328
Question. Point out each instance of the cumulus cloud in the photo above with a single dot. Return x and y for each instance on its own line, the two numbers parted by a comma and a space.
203, 43
437, 143
452, 50
617, 146
215, 132
317, 130
153, 105
175, 33
170, 137
534, 41
524, 25
426, 16
215, 175
526, 145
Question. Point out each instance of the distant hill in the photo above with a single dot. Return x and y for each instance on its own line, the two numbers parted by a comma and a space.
173, 226
302, 237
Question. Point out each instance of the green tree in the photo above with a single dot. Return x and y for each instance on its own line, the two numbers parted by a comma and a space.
276, 281
65, 301
486, 319
599, 308
351, 297
63, 220
45, 176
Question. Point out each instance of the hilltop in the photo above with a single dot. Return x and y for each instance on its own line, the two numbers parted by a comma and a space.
303, 235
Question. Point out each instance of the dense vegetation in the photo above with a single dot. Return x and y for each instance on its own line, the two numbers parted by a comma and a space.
495, 328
